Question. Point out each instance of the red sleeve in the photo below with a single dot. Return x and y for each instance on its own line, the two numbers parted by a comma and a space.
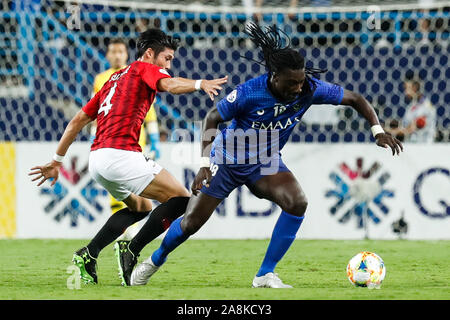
91, 108
151, 74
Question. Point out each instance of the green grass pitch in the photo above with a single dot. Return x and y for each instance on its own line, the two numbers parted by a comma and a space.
224, 269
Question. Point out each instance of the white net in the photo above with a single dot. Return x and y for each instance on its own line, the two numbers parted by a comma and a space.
50, 52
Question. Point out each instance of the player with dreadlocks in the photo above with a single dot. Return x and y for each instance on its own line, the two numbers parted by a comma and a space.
264, 111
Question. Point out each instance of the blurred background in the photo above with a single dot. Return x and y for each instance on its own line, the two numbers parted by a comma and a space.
395, 53
51, 51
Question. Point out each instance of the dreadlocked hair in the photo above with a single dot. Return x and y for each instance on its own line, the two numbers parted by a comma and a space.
278, 56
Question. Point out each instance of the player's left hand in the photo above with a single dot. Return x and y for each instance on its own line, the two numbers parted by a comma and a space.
50, 170
202, 178
386, 140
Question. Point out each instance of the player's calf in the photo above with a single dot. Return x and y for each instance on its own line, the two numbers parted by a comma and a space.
191, 224
199, 210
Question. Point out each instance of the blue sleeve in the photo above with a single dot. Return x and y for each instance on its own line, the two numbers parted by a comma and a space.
229, 107
327, 93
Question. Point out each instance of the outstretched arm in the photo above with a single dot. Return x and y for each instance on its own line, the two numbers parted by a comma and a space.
210, 124
360, 104
406, 131
51, 169
75, 125
182, 85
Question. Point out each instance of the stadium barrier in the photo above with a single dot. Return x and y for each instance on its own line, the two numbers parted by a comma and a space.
355, 191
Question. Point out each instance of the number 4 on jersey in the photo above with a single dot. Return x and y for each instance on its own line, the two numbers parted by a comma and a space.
106, 104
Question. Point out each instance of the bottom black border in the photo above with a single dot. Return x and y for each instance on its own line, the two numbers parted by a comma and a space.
224, 309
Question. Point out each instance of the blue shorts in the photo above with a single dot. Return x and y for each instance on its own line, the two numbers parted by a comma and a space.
227, 177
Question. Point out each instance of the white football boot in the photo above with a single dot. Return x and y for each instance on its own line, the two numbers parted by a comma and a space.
269, 280
142, 273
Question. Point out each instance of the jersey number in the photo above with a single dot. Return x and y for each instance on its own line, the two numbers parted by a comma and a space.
213, 167
106, 104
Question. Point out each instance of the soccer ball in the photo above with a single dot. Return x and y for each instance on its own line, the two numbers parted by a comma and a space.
366, 269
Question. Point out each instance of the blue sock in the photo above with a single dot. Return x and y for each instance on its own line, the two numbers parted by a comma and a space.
173, 239
282, 237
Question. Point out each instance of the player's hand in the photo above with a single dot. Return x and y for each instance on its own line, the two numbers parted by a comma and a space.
202, 178
387, 140
211, 87
50, 170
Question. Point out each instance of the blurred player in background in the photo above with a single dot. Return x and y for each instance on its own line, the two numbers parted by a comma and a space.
117, 56
274, 102
419, 122
116, 161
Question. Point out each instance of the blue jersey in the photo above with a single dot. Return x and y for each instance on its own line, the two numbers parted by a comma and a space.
261, 124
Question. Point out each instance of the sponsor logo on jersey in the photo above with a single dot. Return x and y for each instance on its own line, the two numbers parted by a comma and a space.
275, 125
297, 106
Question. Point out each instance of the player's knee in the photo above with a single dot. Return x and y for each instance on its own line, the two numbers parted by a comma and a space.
145, 206
138, 204
296, 205
179, 192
